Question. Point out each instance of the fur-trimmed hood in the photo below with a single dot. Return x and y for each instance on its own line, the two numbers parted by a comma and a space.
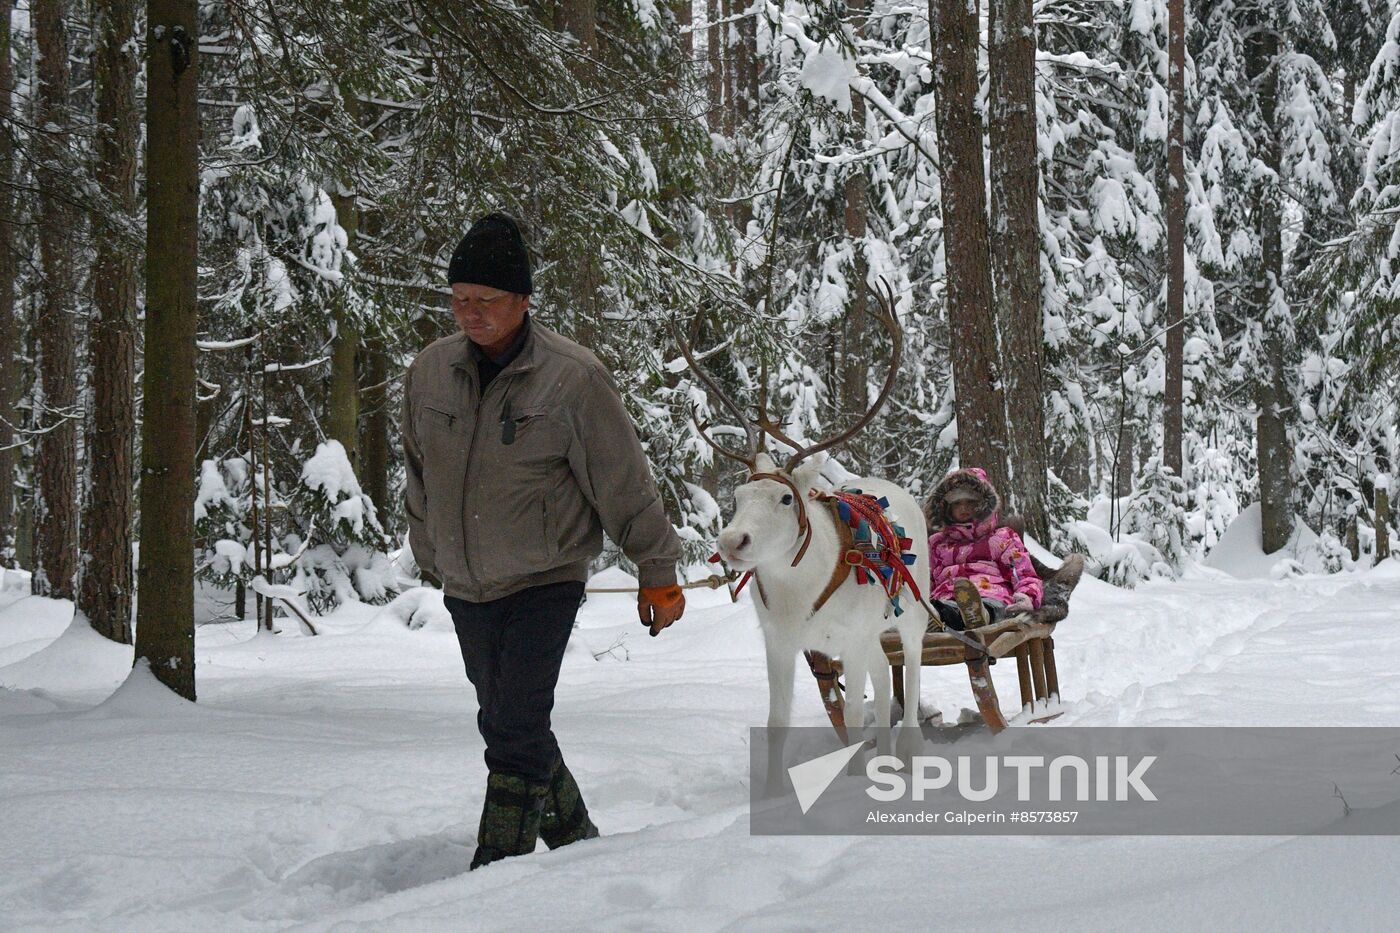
974, 478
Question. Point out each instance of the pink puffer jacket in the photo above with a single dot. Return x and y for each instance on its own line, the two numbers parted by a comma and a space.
993, 557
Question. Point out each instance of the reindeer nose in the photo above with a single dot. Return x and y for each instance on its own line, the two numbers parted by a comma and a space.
733, 543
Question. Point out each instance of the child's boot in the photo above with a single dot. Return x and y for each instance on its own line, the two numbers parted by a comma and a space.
969, 600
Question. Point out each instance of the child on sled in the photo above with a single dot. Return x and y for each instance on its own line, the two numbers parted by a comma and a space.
980, 570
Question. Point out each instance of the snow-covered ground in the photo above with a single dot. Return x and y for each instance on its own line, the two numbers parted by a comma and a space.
335, 782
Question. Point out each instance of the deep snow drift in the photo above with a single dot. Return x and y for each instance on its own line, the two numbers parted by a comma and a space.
334, 782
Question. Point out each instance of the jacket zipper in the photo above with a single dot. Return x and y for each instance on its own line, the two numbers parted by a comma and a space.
467, 528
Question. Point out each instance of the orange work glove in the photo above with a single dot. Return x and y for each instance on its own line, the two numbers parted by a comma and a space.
659, 606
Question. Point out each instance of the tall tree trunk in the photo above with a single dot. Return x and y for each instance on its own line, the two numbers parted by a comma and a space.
165, 620
730, 74
56, 532
853, 365
374, 441
9, 321
579, 18
108, 518
714, 52
684, 14
1271, 388
1123, 458
343, 419
1016, 264
1173, 414
981, 410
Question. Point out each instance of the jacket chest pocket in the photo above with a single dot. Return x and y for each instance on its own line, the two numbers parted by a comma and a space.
442, 431
528, 442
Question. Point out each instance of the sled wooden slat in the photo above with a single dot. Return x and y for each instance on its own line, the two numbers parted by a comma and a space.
1052, 677
1004, 644
1023, 676
1037, 648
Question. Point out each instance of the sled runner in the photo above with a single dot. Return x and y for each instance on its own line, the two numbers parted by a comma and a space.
1029, 636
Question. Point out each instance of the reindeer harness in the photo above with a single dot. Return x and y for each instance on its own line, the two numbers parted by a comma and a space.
872, 546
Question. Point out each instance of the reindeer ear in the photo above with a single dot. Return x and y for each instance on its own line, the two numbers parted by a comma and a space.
808, 473
763, 463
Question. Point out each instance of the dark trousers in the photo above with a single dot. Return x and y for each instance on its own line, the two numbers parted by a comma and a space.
512, 648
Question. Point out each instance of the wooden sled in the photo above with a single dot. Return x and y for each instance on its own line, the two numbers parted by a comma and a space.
1029, 636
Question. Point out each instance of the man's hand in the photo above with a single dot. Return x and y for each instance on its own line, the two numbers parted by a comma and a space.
659, 606
1022, 603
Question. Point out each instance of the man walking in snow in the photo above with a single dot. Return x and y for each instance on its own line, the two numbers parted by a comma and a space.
519, 455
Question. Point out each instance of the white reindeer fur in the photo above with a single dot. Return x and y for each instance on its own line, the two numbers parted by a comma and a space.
848, 626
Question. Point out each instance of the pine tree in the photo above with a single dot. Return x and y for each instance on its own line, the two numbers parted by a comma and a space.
56, 525
109, 511
1015, 199
982, 434
9, 320
165, 619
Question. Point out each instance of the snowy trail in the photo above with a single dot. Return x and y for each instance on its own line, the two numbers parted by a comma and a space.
333, 783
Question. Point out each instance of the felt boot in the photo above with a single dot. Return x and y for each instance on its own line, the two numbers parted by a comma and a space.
565, 817
510, 818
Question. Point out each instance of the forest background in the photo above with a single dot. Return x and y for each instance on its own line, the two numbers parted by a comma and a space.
1144, 254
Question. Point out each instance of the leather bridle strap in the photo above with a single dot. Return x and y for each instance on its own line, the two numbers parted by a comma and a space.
804, 528
842, 570
839, 573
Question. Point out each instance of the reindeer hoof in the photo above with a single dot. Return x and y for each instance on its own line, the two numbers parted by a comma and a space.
908, 744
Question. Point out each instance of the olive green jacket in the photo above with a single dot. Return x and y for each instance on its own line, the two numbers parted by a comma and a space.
515, 488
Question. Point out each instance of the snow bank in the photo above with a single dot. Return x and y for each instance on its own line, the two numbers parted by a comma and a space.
418, 608
142, 696
29, 623
1240, 552
78, 661
336, 782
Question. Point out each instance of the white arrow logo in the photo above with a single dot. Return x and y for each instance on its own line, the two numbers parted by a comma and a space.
811, 778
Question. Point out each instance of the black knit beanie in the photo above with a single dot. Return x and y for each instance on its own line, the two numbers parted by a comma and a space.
492, 254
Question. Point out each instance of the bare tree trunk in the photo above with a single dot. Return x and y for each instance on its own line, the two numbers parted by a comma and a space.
976, 379
742, 94
579, 18
714, 52
1382, 518
730, 75
748, 39
1016, 264
56, 534
1272, 394
374, 441
165, 620
9, 321
1073, 466
343, 418
682, 10
108, 513
853, 366
1123, 453
1173, 415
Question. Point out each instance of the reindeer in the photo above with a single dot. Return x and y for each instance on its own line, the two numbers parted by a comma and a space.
795, 548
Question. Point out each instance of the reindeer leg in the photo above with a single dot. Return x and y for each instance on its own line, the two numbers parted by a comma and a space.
782, 661
880, 684
911, 637
855, 663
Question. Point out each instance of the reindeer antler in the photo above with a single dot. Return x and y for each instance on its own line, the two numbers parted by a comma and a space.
751, 431
887, 319
764, 424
